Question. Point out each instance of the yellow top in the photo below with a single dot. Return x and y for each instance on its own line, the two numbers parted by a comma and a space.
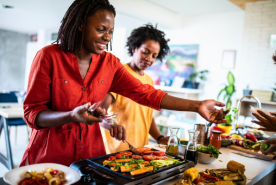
135, 117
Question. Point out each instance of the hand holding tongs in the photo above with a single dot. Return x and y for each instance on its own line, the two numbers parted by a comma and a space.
134, 150
96, 111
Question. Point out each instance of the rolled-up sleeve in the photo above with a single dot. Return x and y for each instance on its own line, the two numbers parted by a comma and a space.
38, 96
127, 85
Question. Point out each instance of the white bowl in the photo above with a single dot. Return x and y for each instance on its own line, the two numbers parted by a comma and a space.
182, 149
205, 158
14, 176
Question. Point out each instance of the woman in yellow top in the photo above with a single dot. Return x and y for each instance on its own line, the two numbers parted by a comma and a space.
145, 44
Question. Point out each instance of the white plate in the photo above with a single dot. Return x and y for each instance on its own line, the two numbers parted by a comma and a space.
14, 176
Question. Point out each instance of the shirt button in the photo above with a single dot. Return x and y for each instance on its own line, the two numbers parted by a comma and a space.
81, 128
102, 81
65, 81
83, 88
82, 144
80, 159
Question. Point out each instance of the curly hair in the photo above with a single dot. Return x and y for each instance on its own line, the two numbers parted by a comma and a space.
77, 13
147, 32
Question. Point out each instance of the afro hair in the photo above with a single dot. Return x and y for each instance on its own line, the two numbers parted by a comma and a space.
147, 32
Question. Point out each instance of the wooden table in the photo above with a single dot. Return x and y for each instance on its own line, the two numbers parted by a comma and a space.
8, 110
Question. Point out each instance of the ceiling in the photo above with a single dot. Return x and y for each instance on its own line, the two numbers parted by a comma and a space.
195, 7
241, 3
28, 16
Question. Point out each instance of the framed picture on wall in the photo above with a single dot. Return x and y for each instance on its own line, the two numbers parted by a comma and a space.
228, 59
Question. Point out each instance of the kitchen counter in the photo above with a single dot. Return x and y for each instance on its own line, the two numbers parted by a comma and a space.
256, 169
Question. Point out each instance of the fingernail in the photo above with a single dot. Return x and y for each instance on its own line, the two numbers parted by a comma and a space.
258, 111
271, 113
253, 114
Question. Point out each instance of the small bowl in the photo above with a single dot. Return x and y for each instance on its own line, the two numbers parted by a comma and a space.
205, 158
182, 149
226, 142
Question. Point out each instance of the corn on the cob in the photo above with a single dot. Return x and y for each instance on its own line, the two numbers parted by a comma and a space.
224, 183
190, 175
236, 167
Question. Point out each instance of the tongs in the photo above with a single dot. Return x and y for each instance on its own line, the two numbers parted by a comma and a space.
134, 150
95, 111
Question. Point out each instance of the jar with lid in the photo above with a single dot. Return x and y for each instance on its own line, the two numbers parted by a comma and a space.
215, 139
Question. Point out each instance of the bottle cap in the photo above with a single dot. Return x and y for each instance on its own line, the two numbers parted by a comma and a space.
216, 131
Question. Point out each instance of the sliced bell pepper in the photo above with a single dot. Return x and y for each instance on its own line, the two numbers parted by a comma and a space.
250, 137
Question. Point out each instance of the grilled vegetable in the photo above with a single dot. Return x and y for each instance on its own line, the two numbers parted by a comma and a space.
106, 162
114, 169
233, 177
122, 160
142, 170
190, 175
236, 167
127, 167
54, 181
224, 183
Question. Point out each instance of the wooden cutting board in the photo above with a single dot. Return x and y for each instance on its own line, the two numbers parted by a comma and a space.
252, 152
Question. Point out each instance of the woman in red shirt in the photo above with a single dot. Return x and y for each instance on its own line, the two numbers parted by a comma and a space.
67, 77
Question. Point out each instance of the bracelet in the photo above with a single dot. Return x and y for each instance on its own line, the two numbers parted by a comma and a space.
159, 138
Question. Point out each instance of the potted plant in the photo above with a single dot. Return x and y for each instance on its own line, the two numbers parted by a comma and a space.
229, 90
230, 117
193, 77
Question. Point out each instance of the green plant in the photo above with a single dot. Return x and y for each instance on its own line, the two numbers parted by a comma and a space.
230, 117
229, 90
210, 149
274, 88
200, 75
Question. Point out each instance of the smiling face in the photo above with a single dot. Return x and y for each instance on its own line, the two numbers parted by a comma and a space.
145, 55
98, 31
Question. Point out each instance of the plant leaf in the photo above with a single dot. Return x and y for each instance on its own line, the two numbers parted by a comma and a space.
230, 78
220, 93
230, 89
228, 103
225, 97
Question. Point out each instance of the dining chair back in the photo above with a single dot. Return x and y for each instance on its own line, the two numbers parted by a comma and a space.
12, 98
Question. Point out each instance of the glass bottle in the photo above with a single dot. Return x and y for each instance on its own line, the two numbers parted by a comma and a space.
172, 147
215, 139
191, 153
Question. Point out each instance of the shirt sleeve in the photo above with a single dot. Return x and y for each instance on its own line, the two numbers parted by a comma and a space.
38, 94
127, 85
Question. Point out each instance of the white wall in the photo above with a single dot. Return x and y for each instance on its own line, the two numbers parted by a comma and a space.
260, 23
213, 33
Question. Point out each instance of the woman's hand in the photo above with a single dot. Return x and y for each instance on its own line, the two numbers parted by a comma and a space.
268, 124
79, 114
272, 148
208, 111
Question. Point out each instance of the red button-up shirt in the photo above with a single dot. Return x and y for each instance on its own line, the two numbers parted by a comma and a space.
55, 84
